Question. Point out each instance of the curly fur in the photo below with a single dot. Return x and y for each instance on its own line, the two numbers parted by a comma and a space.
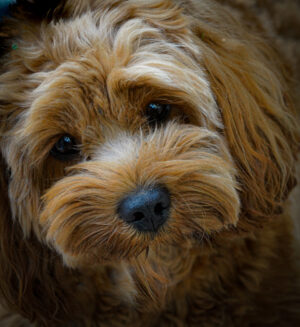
89, 68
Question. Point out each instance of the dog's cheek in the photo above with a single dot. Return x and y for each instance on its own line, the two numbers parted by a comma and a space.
203, 202
201, 177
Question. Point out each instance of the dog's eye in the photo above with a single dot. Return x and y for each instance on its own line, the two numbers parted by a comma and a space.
157, 112
65, 148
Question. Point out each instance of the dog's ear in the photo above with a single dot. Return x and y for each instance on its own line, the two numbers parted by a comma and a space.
251, 90
30, 282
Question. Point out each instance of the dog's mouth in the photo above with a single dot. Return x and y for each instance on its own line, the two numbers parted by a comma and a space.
173, 184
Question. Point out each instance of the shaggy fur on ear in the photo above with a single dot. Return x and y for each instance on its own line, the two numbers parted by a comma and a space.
226, 154
261, 130
33, 288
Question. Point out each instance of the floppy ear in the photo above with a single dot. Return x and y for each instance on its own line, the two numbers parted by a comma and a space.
249, 84
30, 281
33, 281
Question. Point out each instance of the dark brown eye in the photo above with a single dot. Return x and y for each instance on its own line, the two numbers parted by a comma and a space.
65, 148
157, 113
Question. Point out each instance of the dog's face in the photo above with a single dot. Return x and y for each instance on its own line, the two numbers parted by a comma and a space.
125, 130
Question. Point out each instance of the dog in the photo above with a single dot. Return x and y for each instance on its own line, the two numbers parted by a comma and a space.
148, 149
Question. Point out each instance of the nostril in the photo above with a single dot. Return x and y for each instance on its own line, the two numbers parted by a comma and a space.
138, 216
159, 208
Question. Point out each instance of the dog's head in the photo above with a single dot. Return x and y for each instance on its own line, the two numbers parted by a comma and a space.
130, 124
127, 124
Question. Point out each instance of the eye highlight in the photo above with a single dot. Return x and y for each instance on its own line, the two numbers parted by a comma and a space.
65, 148
158, 113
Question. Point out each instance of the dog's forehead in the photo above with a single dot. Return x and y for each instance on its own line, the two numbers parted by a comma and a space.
104, 63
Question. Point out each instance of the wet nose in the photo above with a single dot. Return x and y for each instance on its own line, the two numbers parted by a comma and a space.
146, 209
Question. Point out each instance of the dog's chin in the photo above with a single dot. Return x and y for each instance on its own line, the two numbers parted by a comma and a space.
80, 217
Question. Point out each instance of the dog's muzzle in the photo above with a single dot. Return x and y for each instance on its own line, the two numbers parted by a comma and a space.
169, 184
146, 209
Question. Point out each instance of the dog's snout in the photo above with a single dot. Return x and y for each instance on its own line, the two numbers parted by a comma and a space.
146, 209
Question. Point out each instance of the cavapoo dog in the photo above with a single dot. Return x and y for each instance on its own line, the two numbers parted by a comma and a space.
147, 149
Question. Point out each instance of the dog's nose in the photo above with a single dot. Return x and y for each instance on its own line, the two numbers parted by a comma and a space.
146, 209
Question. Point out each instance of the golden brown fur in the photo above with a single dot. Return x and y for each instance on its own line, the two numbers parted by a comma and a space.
89, 68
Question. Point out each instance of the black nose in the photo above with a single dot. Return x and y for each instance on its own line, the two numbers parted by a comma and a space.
146, 209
